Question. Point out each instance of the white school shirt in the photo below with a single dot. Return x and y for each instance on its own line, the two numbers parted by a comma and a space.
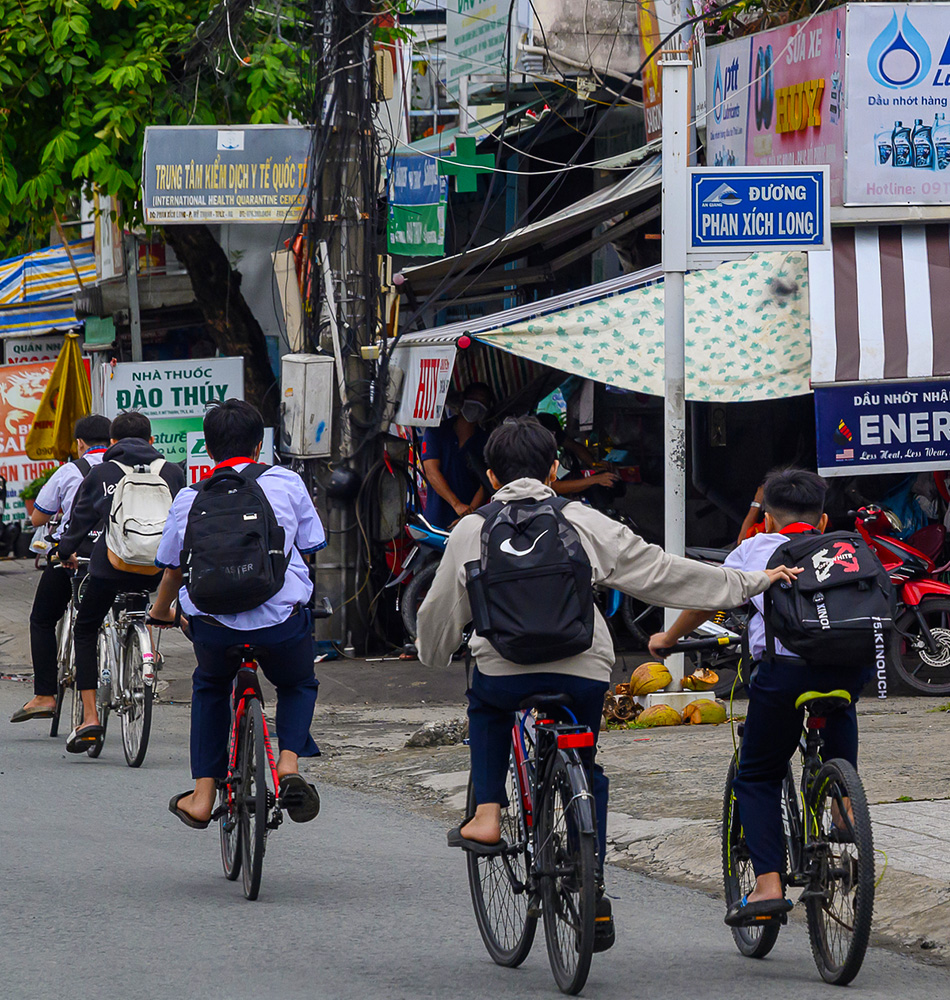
59, 491
303, 532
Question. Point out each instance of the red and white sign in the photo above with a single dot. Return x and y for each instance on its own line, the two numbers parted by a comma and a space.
199, 461
428, 374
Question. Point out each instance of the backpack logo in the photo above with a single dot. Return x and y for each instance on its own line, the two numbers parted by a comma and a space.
510, 550
844, 555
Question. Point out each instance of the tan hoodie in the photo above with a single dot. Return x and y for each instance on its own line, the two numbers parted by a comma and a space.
619, 559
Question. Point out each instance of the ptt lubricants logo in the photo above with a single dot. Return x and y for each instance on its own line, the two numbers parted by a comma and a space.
900, 57
724, 84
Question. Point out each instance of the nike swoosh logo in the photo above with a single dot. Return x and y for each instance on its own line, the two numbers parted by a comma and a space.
508, 548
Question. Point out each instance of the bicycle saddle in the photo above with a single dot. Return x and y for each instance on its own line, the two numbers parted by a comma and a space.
546, 702
242, 652
823, 702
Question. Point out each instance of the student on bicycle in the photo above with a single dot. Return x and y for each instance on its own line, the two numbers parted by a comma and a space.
521, 455
280, 628
54, 590
131, 437
794, 503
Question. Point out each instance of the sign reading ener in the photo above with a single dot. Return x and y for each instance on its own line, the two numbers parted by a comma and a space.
749, 209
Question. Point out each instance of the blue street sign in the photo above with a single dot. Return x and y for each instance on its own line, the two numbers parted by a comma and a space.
763, 208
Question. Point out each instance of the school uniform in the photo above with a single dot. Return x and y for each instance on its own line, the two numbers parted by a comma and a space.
281, 626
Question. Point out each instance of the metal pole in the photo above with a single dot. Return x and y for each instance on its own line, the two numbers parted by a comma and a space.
132, 283
675, 78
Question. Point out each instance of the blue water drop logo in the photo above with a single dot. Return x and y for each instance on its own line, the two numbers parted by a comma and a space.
718, 95
899, 57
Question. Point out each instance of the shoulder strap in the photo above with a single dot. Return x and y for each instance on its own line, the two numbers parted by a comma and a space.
490, 509
126, 469
255, 470
83, 466
769, 634
156, 466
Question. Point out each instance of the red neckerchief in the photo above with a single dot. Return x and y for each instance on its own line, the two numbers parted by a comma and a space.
94, 451
796, 528
229, 463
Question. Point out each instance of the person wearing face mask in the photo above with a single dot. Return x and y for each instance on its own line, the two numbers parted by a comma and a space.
450, 454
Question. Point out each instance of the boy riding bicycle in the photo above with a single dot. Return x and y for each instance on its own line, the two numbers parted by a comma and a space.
522, 460
279, 627
794, 504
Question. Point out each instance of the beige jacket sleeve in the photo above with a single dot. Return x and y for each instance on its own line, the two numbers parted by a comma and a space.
624, 561
445, 611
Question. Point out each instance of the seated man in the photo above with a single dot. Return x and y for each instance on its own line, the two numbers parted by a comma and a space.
54, 590
522, 461
794, 501
281, 625
131, 436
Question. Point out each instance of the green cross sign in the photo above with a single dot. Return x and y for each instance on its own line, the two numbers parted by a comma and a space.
466, 165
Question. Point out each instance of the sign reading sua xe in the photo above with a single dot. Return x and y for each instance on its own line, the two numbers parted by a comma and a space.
746, 209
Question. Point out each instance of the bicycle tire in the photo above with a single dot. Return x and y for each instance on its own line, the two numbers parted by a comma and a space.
908, 669
847, 870
501, 912
738, 879
64, 649
413, 596
253, 798
103, 695
136, 717
229, 831
640, 620
567, 874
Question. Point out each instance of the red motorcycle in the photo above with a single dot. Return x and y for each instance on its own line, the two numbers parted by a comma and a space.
919, 656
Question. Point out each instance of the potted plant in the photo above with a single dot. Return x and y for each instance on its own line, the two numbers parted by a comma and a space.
30, 492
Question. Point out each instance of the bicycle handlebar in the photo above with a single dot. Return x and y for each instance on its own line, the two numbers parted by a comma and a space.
688, 645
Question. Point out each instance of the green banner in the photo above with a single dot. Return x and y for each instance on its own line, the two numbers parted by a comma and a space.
170, 434
417, 230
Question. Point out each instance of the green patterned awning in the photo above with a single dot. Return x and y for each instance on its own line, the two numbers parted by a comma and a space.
747, 334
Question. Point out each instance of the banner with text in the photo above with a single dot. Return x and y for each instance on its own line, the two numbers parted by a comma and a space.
481, 37
21, 391
172, 388
31, 350
428, 374
199, 462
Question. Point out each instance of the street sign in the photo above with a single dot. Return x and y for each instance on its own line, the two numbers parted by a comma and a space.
199, 461
746, 209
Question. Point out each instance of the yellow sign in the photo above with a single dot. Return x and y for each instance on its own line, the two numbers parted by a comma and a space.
67, 398
799, 106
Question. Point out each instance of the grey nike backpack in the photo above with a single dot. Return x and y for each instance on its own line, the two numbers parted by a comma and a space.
531, 589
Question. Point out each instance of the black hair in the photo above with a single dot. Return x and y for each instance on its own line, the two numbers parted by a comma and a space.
93, 429
794, 495
233, 429
474, 387
520, 447
130, 424
551, 423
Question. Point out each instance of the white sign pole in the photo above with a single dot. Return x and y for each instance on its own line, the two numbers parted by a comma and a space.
676, 224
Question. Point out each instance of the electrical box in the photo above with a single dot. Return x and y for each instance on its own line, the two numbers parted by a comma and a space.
306, 405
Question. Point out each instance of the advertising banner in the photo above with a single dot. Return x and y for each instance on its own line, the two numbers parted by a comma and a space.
199, 463
776, 98
883, 427
21, 391
172, 388
656, 19
428, 374
898, 144
246, 173
480, 38
30, 350
417, 201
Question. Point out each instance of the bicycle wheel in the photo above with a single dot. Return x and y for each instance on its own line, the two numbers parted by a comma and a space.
64, 667
498, 882
911, 665
414, 595
738, 877
252, 798
640, 620
106, 660
136, 697
229, 831
568, 874
840, 902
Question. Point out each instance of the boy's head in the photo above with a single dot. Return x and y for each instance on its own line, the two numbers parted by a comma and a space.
93, 430
131, 424
233, 429
551, 423
519, 448
791, 495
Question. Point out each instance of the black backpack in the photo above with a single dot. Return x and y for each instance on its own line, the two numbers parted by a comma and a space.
840, 610
531, 590
232, 557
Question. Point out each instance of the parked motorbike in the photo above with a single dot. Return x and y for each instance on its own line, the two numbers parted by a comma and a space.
919, 655
419, 567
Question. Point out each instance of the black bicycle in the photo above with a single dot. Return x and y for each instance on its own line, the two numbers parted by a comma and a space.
548, 868
830, 852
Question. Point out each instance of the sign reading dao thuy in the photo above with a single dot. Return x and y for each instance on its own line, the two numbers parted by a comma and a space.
747, 209
172, 389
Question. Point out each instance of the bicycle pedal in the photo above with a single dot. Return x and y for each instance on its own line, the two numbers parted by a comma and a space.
221, 810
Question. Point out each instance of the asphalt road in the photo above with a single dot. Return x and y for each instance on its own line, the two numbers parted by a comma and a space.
104, 894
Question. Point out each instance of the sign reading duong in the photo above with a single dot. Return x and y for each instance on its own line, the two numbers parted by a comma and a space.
245, 173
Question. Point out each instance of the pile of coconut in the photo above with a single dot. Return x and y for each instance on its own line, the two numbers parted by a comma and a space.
623, 708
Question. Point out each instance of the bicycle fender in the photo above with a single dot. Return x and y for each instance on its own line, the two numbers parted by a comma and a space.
581, 794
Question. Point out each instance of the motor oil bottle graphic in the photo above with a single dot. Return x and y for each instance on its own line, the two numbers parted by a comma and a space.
923, 144
941, 139
900, 142
883, 147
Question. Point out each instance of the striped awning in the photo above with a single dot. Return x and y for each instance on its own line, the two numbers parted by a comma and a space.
37, 318
47, 274
880, 304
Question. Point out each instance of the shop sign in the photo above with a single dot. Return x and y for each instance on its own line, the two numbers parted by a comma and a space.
31, 350
245, 173
480, 40
883, 427
21, 391
759, 209
199, 462
897, 94
417, 200
427, 376
163, 389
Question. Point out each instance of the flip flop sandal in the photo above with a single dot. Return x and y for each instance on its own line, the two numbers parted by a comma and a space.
188, 820
81, 740
24, 715
455, 839
746, 914
299, 798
